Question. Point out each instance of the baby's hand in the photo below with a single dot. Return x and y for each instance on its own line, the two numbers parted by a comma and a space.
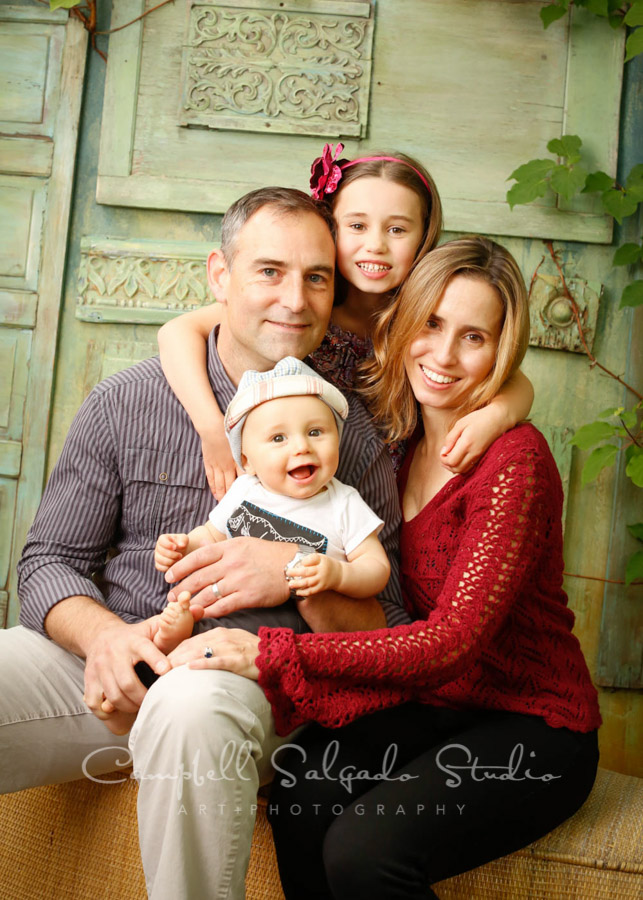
169, 549
220, 467
315, 573
470, 437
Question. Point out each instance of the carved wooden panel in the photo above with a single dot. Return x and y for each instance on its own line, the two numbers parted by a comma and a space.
22, 208
30, 56
283, 67
140, 281
473, 89
552, 321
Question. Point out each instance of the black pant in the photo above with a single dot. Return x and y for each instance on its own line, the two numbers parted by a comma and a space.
455, 790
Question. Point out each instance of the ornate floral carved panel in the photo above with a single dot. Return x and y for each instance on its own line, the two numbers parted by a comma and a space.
289, 67
140, 281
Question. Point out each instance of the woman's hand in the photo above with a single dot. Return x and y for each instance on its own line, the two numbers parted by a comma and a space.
232, 649
220, 468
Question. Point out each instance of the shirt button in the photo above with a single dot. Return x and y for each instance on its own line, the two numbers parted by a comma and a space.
163, 476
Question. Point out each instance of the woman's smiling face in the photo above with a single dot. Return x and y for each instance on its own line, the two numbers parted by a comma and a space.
456, 349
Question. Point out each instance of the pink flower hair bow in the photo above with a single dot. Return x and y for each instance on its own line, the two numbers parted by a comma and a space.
326, 173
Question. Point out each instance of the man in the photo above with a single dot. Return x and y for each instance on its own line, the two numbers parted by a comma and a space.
130, 469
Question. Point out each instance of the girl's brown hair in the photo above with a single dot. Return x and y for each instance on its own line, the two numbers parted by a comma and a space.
385, 384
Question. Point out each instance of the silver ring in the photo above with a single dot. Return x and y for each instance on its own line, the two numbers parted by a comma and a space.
215, 590
208, 652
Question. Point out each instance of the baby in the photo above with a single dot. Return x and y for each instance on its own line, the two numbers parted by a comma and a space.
284, 428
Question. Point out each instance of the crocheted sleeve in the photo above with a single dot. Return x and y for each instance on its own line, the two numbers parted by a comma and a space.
333, 678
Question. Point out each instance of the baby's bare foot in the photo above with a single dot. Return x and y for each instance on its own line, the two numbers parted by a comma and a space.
175, 624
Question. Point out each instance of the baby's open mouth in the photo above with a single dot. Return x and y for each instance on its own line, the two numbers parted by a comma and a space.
302, 473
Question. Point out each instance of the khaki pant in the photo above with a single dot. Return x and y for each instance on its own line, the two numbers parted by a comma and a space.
200, 747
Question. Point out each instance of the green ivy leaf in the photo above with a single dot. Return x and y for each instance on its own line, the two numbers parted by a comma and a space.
634, 15
550, 14
627, 255
634, 568
634, 183
598, 181
598, 7
632, 295
588, 436
619, 204
526, 191
634, 44
534, 170
636, 531
628, 418
568, 146
612, 411
598, 460
568, 181
634, 467
63, 4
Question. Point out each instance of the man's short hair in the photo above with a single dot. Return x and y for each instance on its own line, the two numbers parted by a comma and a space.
285, 201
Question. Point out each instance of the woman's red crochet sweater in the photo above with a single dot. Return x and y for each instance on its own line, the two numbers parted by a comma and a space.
481, 570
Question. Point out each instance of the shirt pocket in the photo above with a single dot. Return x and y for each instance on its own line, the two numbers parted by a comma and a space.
162, 491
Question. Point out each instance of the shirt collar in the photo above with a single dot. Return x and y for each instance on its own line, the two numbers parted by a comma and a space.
222, 387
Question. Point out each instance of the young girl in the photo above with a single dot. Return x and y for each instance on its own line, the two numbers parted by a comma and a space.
388, 216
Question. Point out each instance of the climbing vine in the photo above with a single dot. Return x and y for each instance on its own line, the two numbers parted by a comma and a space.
618, 429
617, 13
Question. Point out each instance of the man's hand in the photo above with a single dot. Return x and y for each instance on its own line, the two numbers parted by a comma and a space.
109, 672
248, 572
232, 649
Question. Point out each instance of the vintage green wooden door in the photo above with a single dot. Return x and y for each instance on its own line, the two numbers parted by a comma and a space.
42, 60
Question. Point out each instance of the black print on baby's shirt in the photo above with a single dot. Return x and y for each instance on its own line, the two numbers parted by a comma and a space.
249, 520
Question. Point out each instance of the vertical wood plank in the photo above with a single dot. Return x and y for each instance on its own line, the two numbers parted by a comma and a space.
586, 89
50, 287
121, 90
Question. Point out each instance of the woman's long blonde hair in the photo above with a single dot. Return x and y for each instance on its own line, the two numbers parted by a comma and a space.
385, 384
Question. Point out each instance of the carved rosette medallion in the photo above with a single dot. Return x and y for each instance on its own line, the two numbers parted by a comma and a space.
277, 68
138, 281
552, 321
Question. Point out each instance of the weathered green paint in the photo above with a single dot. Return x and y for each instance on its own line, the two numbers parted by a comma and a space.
469, 127
42, 59
620, 659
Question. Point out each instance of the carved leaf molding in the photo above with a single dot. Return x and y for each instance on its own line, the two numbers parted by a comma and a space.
119, 279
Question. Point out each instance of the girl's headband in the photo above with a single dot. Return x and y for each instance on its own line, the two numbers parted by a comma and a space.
326, 171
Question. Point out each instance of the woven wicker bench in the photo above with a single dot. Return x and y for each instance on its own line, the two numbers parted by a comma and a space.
79, 841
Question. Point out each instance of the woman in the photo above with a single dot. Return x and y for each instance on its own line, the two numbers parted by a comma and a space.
491, 741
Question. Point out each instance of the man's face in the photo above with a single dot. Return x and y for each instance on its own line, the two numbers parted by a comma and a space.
278, 290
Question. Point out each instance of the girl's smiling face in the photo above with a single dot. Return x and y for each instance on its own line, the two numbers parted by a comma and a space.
456, 349
379, 229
